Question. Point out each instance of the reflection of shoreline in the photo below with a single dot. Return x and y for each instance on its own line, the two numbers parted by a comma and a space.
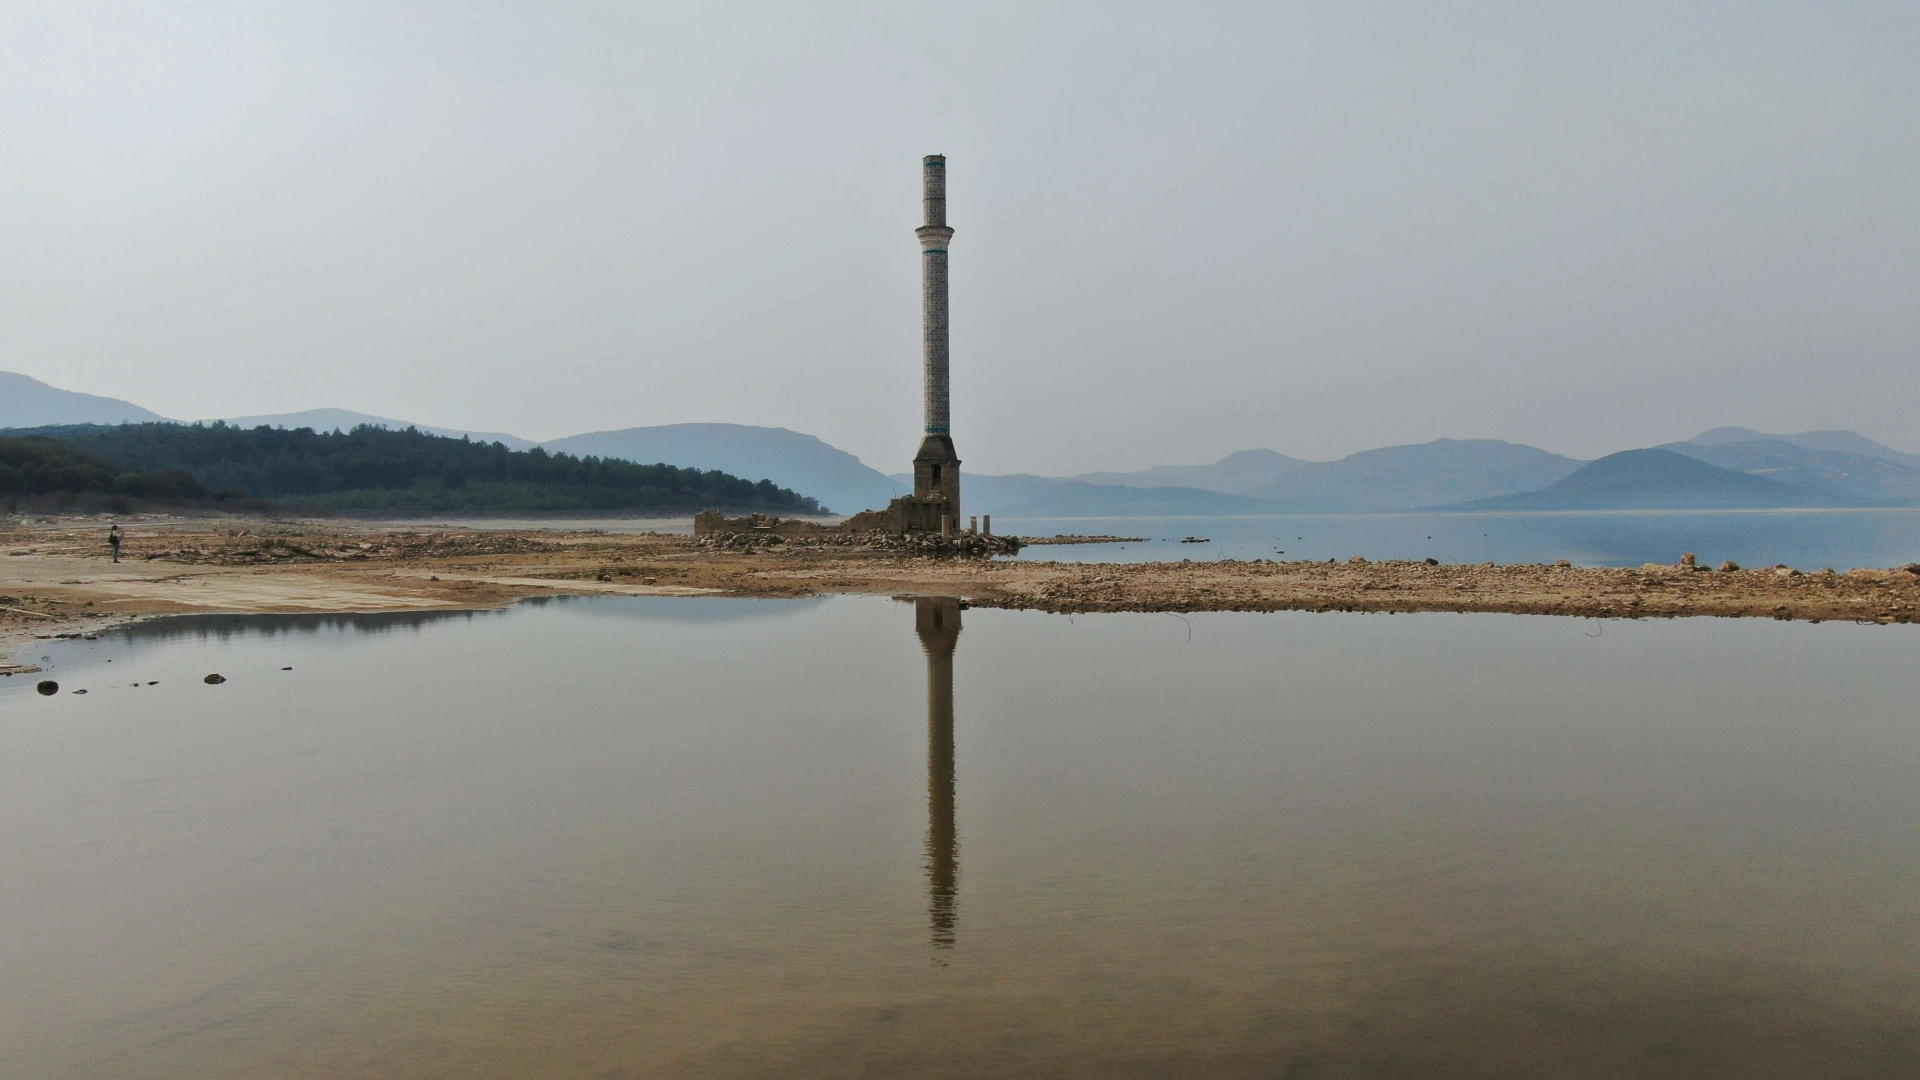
937, 621
682, 609
223, 627
226, 627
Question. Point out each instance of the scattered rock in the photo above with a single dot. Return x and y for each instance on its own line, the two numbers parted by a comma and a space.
1077, 538
1564, 564
1686, 560
214, 680
1912, 568
48, 687
758, 542
1729, 566
1433, 562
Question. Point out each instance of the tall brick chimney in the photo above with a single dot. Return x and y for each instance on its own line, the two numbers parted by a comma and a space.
936, 468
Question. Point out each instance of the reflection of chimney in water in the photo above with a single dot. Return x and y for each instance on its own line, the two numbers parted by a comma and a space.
937, 621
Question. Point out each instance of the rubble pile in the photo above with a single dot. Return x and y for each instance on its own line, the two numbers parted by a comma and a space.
960, 544
760, 541
751, 542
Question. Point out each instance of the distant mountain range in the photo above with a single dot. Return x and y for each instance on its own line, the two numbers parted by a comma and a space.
1841, 477
1654, 479
1721, 468
1390, 478
1843, 442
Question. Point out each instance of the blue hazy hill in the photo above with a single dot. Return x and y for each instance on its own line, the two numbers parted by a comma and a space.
1371, 481
1240, 473
1852, 479
27, 402
1845, 442
790, 459
1655, 479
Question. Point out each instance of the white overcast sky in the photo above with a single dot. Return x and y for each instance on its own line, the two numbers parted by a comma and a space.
1183, 229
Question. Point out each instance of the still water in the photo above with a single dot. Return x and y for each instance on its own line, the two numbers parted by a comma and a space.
1808, 539
619, 837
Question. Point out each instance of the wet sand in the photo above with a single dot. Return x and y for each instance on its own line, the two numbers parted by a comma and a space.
56, 577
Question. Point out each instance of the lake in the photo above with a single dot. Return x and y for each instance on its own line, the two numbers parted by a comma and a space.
636, 837
1807, 539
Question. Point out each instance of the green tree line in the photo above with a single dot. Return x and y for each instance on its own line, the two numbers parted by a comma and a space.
373, 469
43, 466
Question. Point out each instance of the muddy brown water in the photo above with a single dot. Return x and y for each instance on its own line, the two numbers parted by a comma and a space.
626, 837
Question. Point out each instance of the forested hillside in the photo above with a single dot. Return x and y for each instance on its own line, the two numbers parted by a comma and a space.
372, 469
31, 468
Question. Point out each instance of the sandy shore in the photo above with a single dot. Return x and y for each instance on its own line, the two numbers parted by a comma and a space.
56, 578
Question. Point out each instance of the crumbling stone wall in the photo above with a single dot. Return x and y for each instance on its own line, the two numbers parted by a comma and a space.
711, 522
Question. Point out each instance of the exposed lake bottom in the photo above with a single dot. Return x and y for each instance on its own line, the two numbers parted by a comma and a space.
623, 837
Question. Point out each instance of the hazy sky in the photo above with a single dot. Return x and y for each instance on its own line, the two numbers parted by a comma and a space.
1183, 229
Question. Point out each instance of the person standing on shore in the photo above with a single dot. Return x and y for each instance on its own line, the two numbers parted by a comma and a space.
113, 540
